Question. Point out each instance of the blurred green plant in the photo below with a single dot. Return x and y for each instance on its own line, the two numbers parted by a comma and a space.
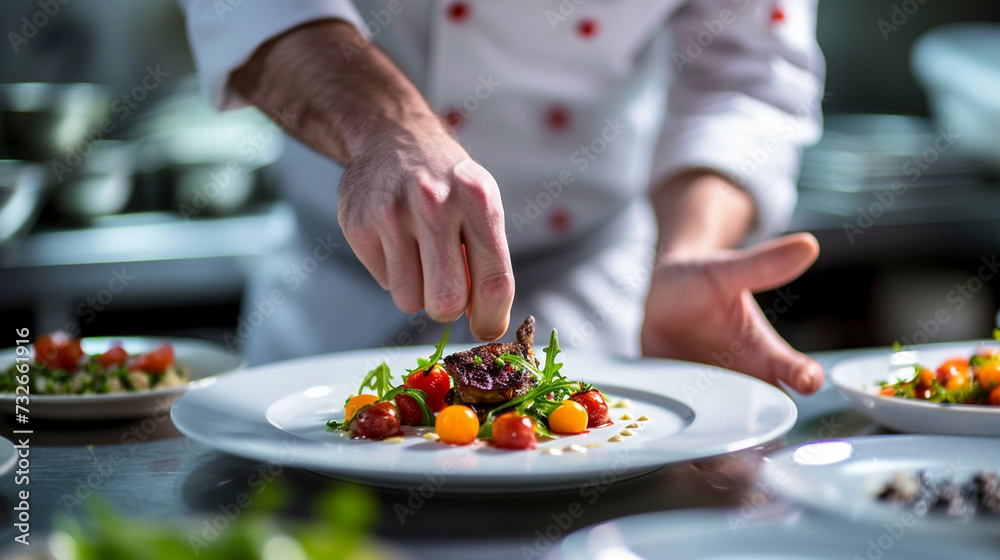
338, 529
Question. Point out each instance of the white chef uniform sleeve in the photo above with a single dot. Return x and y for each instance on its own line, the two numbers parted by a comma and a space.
225, 33
745, 97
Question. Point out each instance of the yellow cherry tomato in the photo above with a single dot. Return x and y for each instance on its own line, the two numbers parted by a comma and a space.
356, 403
457, 425
988, 374
957, 381
569, 418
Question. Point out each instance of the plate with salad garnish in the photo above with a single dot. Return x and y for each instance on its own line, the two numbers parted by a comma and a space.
951, 388
60, 377
499, 417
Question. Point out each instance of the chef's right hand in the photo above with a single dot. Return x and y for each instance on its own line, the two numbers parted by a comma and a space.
427, 222
423, 217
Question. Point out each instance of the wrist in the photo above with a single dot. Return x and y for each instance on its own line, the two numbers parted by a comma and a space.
698, 211
399, 131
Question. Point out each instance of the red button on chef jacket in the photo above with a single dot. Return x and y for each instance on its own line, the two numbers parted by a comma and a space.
458, 11
557, 118
560, 221
454, 118
587, 28
777, 14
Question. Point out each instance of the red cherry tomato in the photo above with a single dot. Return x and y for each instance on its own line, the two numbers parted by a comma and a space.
513, 431
434, 382
155, 361
58, 351
597, 408
47, 349
376, 421
410, 413
116, 355
70, 354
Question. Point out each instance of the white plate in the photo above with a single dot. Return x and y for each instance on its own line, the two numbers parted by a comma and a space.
722, 535
8, 455
844, 477
858, 380
204, 358
278, 413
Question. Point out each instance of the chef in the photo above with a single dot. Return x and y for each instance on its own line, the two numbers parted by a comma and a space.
604, 156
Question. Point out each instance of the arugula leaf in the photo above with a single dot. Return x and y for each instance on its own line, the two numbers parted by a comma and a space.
378, 379
551, 367
426, 365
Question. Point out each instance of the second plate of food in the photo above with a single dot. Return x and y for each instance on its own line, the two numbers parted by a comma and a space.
944, 365
662, 412
198, 360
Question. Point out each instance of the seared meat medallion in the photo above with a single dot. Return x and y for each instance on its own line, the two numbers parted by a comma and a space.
479, 380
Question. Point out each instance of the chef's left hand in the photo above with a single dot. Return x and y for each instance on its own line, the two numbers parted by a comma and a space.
700, 306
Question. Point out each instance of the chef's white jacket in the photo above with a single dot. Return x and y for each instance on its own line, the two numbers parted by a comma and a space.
577, 107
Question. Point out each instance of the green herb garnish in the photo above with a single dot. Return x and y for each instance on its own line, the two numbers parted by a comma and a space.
426, 365
378, 379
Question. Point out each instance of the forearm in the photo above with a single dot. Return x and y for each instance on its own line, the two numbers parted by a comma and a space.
699, 211
342, 94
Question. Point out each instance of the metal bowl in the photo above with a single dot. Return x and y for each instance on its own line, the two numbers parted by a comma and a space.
100, 186
39, 121
22, 190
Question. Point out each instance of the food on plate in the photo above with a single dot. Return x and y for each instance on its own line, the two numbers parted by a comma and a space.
514, 431
483, 380
433, 381
597, 408
61, 367
496, 392
980, 494
569, 418
974, 380
378, 420
457, 425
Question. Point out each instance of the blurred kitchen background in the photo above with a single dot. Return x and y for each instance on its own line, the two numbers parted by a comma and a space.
150, 225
